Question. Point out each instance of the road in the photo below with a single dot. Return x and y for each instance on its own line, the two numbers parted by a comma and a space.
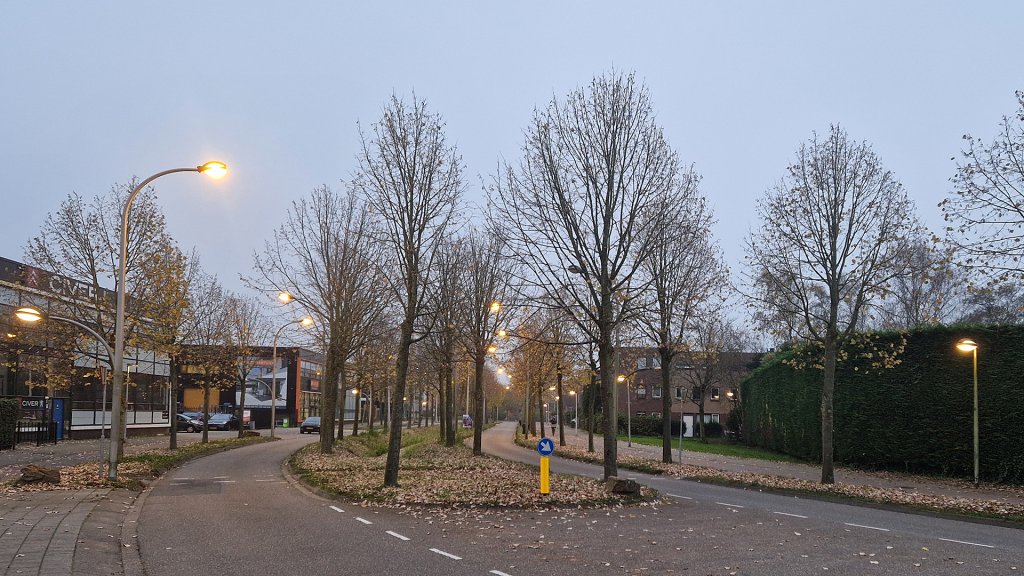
236, 513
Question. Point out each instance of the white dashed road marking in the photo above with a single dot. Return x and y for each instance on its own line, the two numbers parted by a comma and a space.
729, 505
678, 496
397, 535
968, 543
498, 573
788, 514
336, 509
443, 553
363, 520
868, 527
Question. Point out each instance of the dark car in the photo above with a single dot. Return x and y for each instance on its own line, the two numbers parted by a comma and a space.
222, 422
310, 425
192, 415
188, 424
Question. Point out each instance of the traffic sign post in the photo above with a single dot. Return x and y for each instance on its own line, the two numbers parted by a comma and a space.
545, 447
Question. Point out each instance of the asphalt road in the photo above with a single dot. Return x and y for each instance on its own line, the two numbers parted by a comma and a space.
235, 513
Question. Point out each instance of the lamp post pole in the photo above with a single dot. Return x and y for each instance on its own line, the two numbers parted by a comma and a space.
117, 425
968, 345
976, 460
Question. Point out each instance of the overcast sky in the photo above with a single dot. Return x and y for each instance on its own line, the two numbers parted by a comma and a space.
92, 93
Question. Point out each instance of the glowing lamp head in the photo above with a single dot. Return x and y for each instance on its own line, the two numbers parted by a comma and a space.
306, 322
285, 297
492, 349
495, 306
214, 169
28, 314
966, 345
621, 378
502, 333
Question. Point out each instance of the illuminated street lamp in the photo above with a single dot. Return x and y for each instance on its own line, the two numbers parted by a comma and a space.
629, 413
306, 323
33, 315
576, 410
495, 307
968, 345
215, 170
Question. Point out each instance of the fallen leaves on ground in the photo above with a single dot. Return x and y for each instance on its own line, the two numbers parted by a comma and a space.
432, 475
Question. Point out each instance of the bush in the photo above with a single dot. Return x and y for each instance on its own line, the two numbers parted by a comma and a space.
711, 430
8, 422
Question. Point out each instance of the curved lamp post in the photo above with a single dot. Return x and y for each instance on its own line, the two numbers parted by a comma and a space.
214, 170
968, 345
33, 315
629, 412
306, 323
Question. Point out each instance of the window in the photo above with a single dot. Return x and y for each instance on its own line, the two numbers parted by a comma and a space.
680, 393
641, 363
716, 393
641, 392
656, 363
696, 394
641, 413
656, 414
655, 391
714, 418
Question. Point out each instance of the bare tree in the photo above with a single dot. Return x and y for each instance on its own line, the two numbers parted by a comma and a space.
448, 322
209, 352
986, 212
412, 178
486, 297
831, 239
81, 240
247, 328
686, 271
324, 256
714, 350
930, 291
582, 206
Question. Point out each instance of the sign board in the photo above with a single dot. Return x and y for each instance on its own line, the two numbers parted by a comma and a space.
32, 403
546, 446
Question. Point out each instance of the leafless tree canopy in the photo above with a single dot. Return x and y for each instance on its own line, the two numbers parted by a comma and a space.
832, 238
325, 256
986, 212
582, 208
412, 179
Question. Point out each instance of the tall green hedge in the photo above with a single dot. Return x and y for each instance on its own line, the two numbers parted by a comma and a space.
8, 422
916, 416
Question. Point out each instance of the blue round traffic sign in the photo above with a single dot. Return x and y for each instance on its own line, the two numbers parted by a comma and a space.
546, 446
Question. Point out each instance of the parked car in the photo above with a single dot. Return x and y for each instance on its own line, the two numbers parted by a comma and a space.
192, 415
310, 425
223, 422
189, 424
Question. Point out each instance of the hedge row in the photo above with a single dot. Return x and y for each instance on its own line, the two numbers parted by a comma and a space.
916, 416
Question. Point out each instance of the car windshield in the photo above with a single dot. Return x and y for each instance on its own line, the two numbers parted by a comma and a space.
312, 420
219, 417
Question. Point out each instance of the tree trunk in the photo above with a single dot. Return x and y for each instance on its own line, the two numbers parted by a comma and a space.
591, 401
827, 392
478, 402
206, 405
540, 408
241, 405
666, 405
172, 392
333, 371
401, 373
606, 359
442, 391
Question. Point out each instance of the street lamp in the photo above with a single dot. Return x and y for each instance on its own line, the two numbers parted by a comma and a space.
968, 345
575, 410
629, 413
306, 323
33, 315
215, 170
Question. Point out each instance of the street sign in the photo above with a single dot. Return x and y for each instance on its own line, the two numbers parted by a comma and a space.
546, 446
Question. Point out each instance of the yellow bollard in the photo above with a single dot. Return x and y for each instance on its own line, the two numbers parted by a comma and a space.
545, 482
